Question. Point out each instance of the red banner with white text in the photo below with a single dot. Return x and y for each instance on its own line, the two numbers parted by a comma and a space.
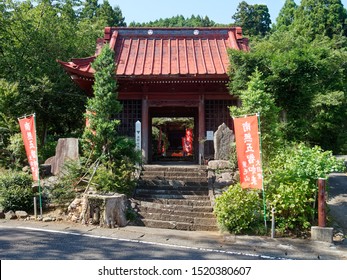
27, 127
248, 152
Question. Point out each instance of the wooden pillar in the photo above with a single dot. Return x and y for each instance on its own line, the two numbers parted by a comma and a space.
201, 129
321, 202
144, 128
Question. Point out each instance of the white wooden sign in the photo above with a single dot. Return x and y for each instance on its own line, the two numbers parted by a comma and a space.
138, 135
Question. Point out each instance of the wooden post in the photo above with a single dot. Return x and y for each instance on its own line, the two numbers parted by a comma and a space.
201, 129
321, 203
144, 129
35, 207
273, 223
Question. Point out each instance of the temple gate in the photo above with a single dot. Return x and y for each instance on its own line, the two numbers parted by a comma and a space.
168, 73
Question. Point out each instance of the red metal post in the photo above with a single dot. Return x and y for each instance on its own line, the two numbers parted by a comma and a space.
321, 202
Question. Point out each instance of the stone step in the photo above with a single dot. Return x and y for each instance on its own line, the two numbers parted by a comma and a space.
171, 196
184, 202
179, 216
171, 188
173, 183
179, 219
165, 191
175, 197
178, 225
181, 178
173, 174
153, 207
186, 168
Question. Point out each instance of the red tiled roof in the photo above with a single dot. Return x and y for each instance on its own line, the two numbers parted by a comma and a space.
148, 52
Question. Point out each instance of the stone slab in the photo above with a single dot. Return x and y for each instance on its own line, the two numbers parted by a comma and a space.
67, 149
223, 138
324, 234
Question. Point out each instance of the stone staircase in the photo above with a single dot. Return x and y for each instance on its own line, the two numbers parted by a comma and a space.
175, 197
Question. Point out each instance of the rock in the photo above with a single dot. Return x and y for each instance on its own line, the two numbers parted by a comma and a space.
223, 138
47, 219
67, 149
74, 218
226, 177
21, 214
2, 215
219, 164
10, 215
76, 208
75, 204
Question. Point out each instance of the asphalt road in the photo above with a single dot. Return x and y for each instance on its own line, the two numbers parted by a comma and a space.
337, 200
29, 244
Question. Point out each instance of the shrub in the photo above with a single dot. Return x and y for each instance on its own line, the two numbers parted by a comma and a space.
16, 192
239, 210
62, 194
48, 149
64, 190
9, 179
291, 183
115, 178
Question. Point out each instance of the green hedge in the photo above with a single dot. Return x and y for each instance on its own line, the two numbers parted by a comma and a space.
15, 191
239, 210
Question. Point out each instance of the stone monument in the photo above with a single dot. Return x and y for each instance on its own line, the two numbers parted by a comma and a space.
67, 149
223, 138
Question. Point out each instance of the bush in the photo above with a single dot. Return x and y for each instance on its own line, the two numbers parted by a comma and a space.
64, 190
115, 177
291, 184
239, 210
62, 194
9, 179
16, 192
48, 149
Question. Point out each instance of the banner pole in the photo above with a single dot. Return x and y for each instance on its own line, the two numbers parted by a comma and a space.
261, 160
38, 169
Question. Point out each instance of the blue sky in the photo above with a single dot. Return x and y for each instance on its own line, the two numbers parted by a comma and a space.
219, 11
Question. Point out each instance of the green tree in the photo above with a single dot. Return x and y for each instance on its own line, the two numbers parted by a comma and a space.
256, 99
115, 154
90, 9
112, 16
101, 133
10, 154
178, 21
326, 17
300, 74
35, 36
254, 19
286, 16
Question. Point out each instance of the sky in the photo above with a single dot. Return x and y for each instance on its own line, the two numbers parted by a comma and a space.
220, 11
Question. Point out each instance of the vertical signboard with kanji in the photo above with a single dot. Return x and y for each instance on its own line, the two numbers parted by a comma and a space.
28, 129
138, 135
248, 152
